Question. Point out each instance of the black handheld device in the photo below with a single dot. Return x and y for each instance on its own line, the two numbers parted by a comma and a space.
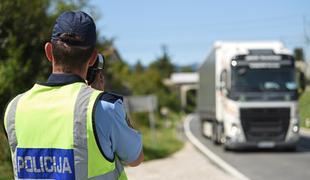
93, 70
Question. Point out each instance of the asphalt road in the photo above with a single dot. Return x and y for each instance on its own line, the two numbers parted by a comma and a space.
263, 164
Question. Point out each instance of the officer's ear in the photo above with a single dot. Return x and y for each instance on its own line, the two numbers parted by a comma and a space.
93, 58
49, 51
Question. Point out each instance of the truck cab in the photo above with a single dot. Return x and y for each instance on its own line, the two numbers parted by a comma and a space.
256, 98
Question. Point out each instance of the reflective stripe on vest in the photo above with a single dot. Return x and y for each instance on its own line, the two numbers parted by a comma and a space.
68, 149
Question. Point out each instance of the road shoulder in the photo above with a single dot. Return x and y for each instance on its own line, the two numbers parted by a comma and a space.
188, 163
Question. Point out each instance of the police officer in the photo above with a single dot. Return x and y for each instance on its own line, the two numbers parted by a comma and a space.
64, 129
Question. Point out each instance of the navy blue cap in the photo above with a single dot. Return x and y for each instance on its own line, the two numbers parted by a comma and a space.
76, 24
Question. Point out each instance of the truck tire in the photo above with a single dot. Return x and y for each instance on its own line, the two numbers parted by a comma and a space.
291, 148
203, 129
221, 134
227, 149
215, 133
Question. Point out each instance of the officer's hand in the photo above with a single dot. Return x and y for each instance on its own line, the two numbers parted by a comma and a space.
99, 81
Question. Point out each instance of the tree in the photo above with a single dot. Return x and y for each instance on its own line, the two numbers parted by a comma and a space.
186, 69
299, 54
139, 67
117, 74
163, 63
24, 29
150, 80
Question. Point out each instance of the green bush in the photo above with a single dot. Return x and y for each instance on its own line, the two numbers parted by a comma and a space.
6, 171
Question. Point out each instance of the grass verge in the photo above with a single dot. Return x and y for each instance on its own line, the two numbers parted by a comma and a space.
165, 141
304, 107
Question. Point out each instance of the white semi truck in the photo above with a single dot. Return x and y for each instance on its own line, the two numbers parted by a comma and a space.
248, 95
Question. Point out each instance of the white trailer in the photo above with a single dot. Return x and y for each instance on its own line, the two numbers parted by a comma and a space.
247, 95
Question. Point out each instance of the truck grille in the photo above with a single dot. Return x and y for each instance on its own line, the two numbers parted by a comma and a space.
265, 124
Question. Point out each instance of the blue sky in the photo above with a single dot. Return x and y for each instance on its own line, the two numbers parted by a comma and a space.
189, 28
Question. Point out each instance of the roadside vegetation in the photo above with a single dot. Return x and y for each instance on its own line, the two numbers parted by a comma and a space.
165, 141
304, 109
5, 158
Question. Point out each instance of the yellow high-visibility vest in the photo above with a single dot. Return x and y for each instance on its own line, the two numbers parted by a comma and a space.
51, 135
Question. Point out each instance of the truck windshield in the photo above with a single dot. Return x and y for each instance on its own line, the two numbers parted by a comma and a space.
245, 79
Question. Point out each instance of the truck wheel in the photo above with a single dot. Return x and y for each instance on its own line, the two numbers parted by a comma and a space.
291, 149
215, 133
221, 137
227, 149
206, 129
202, 128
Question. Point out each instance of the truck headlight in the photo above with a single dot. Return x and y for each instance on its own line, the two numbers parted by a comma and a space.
295, 128
234, 129
236, 134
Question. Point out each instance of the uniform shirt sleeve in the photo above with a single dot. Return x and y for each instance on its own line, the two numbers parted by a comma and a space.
114, 134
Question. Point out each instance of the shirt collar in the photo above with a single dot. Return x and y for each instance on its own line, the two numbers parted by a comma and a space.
63, 79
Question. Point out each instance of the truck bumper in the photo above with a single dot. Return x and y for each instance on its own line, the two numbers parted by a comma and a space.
290, 144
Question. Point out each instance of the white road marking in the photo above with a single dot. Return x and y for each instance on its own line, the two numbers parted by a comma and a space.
212, 156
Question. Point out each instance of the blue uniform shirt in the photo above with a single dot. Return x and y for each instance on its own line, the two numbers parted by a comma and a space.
114, 134
112, 131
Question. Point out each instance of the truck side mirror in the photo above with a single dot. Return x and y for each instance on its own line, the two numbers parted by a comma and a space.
223, 85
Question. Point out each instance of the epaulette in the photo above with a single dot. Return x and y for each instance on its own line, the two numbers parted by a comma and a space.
110, 97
